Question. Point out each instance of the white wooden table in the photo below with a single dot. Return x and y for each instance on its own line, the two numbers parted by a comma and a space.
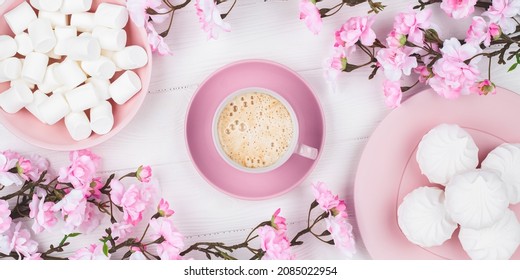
265, 30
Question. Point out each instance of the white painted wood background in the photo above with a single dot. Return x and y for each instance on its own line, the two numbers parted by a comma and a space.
266, 30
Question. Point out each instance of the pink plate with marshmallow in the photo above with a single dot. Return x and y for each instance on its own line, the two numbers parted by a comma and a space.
388, 171
199, 128
56, 137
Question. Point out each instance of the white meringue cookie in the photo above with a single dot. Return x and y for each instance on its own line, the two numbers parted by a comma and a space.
476, 199
505, 160
423, 219
445, 151
498, 242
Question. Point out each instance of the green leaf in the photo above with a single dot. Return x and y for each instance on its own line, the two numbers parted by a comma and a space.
513, 67
105, 249
74, 234
518, 58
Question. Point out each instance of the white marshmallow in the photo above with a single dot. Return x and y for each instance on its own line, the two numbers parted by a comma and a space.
101, 87
70, 74
131, 57
33, 108
110, 39
10, 69
126, 86
24, 43
62, 35
36, 4
54, 109
101, 118
56, 18
49, 5
34, 67
29, 85
102, 68
84, 22
9, 47
16, 97
82, 98
53, 55
83, 48
75, 6
50, 81
112, 16
78, 125
20, 17
42, 35
85, 34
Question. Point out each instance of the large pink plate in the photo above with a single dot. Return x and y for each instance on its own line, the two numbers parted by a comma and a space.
56, 137
388, 169
244, 74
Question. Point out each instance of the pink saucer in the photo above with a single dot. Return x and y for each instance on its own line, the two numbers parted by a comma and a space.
56, 137
388, 170
244, 74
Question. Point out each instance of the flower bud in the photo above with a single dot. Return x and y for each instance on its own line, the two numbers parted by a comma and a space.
144, 173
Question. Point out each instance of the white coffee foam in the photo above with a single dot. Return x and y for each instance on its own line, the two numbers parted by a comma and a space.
255, 129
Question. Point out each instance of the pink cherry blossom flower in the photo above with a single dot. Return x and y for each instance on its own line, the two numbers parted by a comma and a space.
326, 200
452, 76
92, 252
133, 199
278, 222
396, 62
412, 24
393, 93
484, 87
164, 208
395, 39
494, 31
478, 32
341, 232
502, 12
19, 240
458, 9
91, 219
423, 72
156, 41
335, 64
121, 230
73, 208
80, 173
41, 213
168, 251
357, 29
39, 165
23, 167
8, 178
210, 19
310, 14
276, 246
5, 216
163, 227
95, 188
137, 10
144, 173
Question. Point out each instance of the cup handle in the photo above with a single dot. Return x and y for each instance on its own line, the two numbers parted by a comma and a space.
307, 151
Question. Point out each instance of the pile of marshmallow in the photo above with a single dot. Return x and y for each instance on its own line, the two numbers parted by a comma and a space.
476, 199
63, 60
